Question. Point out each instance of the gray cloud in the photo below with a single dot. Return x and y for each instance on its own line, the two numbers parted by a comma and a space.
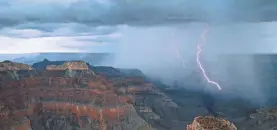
32, 30
135, 12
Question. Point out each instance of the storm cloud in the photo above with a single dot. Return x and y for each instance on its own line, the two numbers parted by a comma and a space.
134, 12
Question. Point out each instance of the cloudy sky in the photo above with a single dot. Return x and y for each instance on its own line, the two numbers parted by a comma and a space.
109, 25
137, 29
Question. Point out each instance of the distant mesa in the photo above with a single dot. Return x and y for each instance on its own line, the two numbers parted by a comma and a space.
45, 60
72, 65
91, 58
210, 123
8, 66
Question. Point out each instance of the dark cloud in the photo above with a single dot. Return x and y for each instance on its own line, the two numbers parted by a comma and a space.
135, 12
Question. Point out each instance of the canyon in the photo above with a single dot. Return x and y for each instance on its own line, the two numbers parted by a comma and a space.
70, 93
73, 95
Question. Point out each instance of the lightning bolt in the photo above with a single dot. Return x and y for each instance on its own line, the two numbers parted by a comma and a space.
199, 49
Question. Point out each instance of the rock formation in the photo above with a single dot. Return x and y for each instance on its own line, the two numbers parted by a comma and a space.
65, 97
74, 65
210, 123
10, 66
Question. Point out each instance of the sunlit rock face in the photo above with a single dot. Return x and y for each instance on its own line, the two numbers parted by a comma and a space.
74, 65
210, 123
15, 71
10, 66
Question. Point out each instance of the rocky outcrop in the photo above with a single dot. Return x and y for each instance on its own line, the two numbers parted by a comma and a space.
210, 123
73, 65
15, 71
12, 66
69, 69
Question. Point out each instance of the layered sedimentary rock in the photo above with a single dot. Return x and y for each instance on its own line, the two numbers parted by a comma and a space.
68, 96
74, 65
210, 123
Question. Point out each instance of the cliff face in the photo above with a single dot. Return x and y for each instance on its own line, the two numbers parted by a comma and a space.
65, 97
